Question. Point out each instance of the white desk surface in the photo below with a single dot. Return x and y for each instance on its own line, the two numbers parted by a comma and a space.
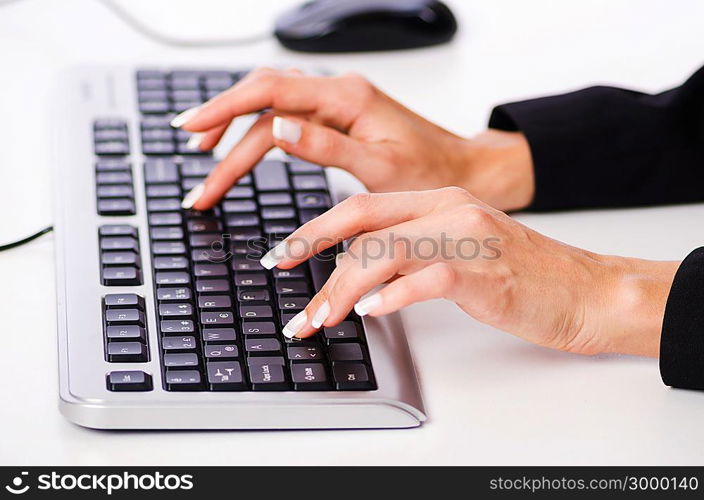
491, 398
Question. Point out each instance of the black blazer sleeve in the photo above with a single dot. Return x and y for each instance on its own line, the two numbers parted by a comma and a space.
609, 147
682, 341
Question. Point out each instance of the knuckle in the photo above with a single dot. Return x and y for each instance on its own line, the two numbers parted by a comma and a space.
456, 193
475, 216
446, 277
359, 203
359, 86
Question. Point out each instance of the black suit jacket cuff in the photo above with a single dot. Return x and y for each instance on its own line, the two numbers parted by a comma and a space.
682, 341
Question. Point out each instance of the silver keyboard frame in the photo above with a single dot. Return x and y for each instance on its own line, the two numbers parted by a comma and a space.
87, 93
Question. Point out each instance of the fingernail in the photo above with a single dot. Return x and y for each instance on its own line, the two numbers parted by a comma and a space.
195, 140
295, 324
365, 306
192, 197
338, 258
274, 256
184, 117
286, 130
321, 315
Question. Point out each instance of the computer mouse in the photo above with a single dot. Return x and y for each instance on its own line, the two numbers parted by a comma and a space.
365, 25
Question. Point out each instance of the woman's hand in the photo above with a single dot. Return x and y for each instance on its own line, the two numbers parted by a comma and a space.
345, 121
446, 243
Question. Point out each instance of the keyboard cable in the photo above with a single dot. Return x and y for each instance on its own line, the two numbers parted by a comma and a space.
29, 238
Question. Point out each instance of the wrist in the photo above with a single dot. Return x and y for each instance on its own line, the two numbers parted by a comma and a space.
497, 168
636, 305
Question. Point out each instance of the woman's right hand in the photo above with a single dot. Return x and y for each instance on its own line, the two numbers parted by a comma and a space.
347, 122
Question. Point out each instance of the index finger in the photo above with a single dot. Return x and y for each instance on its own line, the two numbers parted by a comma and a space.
357, 214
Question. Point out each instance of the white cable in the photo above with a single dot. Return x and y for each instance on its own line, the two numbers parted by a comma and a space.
147, 31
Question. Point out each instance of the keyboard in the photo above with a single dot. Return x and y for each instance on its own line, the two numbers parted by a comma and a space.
166, 319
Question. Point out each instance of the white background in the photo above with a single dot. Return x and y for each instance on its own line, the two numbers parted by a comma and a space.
491, 398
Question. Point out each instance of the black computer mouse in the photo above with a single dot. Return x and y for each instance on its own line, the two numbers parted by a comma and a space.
364, 25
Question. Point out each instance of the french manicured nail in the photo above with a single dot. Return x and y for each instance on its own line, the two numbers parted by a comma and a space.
365, 306
286, 130
295, 324
321, 315
192, 197
195, 140
338, 258
274, 256
182, 118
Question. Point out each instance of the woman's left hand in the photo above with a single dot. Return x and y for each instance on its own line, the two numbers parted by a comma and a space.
447, 244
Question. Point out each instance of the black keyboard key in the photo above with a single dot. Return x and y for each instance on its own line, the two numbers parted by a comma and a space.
204, 226
117, 300
346, 352
109, 123
291, 287
118, 230
212, 286
245, 263
313, 200
168, 248
129, 380
206, 240
183, 380
239, 193
258, 328
127, 352
304, 353
121, 276
271, 175
179, 344
219, 335
309, 215
165, 219
124, 317
181, 360
221, 352
111, 164
309, 182
293, 303
321, 267
347, 330
298, 272
225, 376
154, 107
166, 233
238, 206
282, 228
262, 346
132, 333
296, 166
209, 255
158, 148
256, 312
119, 243
115, 191
217, 318
250, 279
172, 278
116, 206
163, 191
175, 309
242, 220
274, 213
267, 377
163, 205
176, 326
198, 167
119, 258
245, 234
266, 360
214, 302
253, 295
269, 199
309, 377
109, 178
157, 134
170, 263
210, 270
173, 293
351, 376
112, 148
